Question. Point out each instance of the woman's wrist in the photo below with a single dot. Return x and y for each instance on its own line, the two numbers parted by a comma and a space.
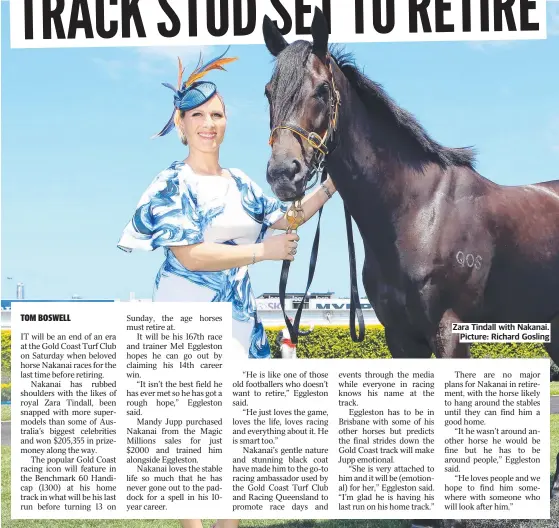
257, 253
328, 188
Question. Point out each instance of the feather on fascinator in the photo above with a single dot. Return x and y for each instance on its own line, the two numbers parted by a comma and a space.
193, 91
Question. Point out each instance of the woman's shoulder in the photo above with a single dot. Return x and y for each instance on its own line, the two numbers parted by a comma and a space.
170, 182
173, 171
176, 173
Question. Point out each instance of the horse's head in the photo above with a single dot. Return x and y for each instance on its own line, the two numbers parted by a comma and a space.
303, 106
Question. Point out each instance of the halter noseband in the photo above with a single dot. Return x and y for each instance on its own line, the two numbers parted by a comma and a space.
295, 215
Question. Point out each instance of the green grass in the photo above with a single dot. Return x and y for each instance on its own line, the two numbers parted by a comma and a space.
554, 388
6, 413
554, 440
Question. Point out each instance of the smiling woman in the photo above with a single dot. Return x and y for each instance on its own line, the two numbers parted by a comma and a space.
212, 222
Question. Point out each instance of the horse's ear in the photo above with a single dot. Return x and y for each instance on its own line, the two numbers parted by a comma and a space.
319, 30
275, 42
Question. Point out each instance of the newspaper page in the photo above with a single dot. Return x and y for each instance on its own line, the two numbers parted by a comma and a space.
159, 233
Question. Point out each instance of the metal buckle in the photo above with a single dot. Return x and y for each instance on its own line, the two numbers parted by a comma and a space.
337, 96
314, 139
295, 216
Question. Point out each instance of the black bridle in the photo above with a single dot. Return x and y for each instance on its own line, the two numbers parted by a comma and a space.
322, 146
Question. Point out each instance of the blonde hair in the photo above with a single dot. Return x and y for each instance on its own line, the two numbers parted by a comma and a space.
180, 115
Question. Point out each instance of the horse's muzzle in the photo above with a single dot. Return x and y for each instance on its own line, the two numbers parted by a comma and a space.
287, 179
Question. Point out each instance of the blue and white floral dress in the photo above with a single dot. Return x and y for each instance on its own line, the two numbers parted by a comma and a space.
181, 208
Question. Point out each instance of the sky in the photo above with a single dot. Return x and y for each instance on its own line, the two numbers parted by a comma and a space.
77, 153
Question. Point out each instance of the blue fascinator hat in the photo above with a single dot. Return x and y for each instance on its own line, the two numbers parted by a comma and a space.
193, 92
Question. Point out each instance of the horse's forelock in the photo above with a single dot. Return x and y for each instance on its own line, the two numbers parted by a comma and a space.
288, 77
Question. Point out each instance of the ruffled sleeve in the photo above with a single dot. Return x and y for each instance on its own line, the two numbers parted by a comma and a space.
166, 215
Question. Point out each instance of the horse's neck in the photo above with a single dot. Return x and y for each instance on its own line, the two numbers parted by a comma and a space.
371, 183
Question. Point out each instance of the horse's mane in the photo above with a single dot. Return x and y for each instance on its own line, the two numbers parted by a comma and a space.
382, 107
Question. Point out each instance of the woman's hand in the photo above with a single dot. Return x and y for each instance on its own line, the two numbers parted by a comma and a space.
311, 203
280, 247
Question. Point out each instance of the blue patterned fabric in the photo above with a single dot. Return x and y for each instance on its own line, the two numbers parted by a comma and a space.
181, 208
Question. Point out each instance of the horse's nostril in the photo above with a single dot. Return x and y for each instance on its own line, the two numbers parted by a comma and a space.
287, 170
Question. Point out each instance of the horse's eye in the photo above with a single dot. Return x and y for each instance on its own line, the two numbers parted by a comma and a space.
322, 91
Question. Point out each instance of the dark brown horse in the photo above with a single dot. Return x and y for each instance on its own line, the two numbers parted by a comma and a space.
442, 243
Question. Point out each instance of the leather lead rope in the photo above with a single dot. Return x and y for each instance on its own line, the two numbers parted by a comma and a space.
355, 303
294, 328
